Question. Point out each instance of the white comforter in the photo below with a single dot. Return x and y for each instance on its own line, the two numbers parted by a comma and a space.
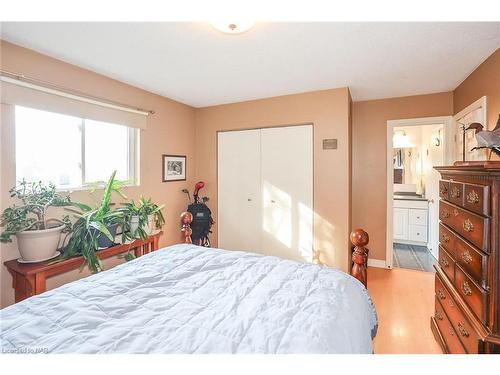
189, 299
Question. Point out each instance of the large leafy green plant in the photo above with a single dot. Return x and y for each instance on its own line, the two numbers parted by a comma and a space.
35, 198
93, 222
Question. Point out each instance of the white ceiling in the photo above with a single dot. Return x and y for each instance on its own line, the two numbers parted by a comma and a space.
197, 65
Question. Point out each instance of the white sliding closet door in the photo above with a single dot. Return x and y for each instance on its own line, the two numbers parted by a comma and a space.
239, 190
265, 191
287, 192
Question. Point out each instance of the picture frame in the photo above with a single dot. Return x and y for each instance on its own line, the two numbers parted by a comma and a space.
174, 168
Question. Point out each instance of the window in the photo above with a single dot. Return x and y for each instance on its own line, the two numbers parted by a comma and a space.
71, 152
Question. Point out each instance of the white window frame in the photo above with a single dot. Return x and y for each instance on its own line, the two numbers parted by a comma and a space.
132, 162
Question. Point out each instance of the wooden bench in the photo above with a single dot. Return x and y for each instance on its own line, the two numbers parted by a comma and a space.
28, 279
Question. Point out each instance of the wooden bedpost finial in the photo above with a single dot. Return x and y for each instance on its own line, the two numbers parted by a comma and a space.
186, 220
359, 239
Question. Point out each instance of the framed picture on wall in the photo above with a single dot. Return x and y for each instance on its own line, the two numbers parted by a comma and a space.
174, 168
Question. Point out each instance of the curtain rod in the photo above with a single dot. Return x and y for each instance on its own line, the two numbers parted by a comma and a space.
37, 84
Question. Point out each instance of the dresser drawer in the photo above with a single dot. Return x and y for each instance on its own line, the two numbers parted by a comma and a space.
475, 297
417, 217
417, 233
456, 195
447, 331
469, 225
446, 263
444, 189
477, 198
447, 239
473, 261
462, 327
441, 292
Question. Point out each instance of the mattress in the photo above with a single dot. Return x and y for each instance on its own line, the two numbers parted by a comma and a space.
190, 299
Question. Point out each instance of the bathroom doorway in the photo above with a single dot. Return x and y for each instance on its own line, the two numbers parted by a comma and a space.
414, 148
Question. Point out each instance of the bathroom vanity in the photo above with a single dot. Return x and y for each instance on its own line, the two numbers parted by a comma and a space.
410, 219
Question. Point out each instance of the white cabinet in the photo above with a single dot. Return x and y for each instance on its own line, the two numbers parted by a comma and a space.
417, 233
410, 222
265, 191
400, 220
417, 216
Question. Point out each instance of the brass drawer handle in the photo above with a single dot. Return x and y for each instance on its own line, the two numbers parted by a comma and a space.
441, 294
468, 226
444, 262
462, 329
445, 213
455, 192
466, 257
446, 238
472, 197
438, 315
466, 289
451, 330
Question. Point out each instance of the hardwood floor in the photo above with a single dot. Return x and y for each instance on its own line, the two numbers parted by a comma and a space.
404, 300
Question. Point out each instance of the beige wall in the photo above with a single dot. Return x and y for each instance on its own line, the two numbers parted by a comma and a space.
485, 80
369, 170
170, 130
328, 111
177, 129
369, 141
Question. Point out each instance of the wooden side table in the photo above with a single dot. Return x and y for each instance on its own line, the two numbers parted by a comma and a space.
29, 279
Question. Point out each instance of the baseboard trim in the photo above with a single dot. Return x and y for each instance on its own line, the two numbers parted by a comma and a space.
376, 263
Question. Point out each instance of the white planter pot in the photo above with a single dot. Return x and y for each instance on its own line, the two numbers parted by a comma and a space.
134, 225
37, 245
150, 226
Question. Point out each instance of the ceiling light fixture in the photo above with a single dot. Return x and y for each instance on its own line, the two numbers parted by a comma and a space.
233, 27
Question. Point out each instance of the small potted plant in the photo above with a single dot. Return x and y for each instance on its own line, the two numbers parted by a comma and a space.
143, 218
37, 235
153, 212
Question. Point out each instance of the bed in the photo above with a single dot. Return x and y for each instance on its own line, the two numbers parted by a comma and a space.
191, 299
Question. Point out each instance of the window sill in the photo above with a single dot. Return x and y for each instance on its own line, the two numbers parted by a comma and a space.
88, 188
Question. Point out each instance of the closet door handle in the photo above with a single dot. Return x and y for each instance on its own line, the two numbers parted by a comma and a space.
249, 199
273, 201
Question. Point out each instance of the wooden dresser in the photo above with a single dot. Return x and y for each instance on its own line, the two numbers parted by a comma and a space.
467, 313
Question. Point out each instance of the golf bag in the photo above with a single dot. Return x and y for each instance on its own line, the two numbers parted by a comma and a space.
202, 222
202, 217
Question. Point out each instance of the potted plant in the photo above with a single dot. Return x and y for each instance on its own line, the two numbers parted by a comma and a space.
142, 218
95, 227
37, 235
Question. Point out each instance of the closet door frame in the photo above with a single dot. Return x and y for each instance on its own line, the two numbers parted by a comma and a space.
310, 123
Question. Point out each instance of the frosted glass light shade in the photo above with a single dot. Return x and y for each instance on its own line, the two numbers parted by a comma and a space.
236, 27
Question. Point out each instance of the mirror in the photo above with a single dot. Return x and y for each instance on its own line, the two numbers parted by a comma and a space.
406, 165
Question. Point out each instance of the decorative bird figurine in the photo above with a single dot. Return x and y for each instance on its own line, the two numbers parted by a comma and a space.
486, 138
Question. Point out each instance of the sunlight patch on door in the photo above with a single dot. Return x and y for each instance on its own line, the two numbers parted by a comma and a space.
277, 219
305, 231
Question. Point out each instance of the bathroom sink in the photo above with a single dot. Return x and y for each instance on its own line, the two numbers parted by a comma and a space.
401, 195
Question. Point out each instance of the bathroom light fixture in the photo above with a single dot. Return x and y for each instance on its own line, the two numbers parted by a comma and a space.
233, 27
401, 140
